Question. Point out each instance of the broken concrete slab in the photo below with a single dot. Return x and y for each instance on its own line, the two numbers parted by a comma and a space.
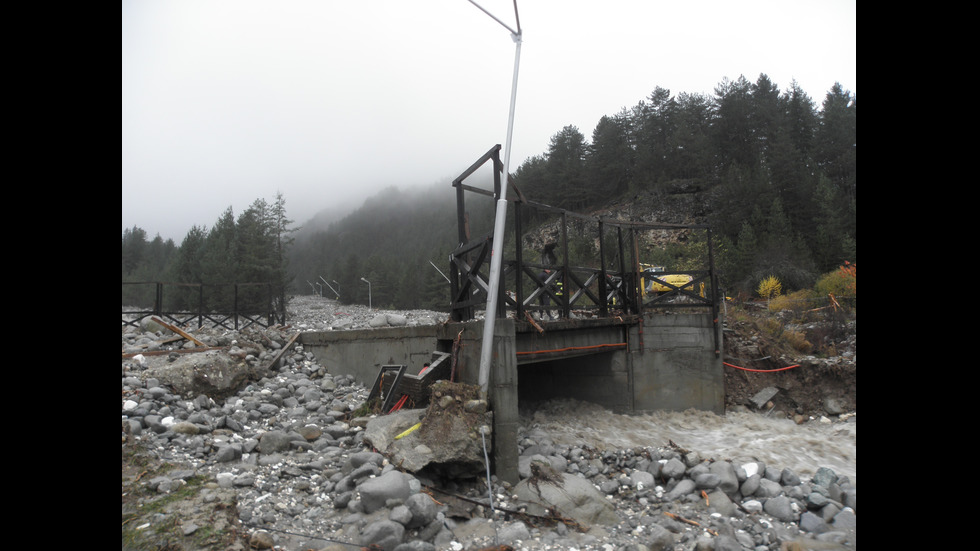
448, 439
568, 495
763, 396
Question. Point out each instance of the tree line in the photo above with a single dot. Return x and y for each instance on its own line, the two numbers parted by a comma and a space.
783, 172
780, 175
249, 249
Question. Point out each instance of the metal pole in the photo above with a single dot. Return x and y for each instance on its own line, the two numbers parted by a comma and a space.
486, 349
331, 287
440, 272
370, 307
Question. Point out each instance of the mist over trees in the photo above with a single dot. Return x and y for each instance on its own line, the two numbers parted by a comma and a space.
779, 171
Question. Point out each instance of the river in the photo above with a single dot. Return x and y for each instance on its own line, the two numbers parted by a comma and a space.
741, 436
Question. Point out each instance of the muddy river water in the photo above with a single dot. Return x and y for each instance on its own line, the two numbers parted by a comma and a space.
741, 436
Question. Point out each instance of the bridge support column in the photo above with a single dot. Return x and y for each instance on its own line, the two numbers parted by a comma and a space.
503, 397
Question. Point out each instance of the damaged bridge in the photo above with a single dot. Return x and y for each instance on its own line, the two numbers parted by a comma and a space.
589, 323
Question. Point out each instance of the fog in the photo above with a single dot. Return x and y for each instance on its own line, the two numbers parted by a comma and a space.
229, 101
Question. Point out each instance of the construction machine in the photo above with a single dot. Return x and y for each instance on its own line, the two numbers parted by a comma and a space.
652, 279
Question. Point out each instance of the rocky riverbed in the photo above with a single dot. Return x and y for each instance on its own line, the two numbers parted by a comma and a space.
286, 462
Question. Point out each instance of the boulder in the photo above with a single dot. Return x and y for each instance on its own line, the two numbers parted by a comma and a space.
448, 440
568, 495
210, 373
377, 492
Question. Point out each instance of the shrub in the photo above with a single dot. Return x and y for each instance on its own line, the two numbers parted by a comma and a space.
770, 288
798, 341
796, 302
771, 327
840, 282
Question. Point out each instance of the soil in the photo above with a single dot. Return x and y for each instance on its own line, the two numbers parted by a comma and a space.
819, 383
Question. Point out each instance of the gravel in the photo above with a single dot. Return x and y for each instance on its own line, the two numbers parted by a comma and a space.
282, 463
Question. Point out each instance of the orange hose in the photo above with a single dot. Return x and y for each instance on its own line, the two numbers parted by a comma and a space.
761, 370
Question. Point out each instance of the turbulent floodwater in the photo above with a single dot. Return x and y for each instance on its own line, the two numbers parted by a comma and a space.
739, 436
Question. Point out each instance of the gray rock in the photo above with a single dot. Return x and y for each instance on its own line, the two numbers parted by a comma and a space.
609, 487
512, 532
728, 480
423, 509
401, 514
824, 477
845, 520
834, 406
816, 500
386, 534
274, 441
673, 468
815, 524
642, 479
658, 538
752, 506
750, 486
768, 488
363, 457
780, 507
185, 427
414, 545
684, 486
725, 543
707, 481
377, 492
228, 452
789, 478
396, 320
721, 503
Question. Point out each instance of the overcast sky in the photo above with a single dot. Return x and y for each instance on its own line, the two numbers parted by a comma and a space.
327, 101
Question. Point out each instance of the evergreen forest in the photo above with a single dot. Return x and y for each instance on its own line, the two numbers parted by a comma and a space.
778, 167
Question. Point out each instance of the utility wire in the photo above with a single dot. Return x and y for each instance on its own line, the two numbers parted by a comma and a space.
493, 512
300, 535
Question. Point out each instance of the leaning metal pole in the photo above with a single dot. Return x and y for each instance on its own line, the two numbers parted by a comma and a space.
496, 252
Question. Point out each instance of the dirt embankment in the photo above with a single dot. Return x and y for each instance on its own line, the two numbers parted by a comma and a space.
760, 356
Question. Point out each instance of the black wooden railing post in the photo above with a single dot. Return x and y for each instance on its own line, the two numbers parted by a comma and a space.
200, 305
519, 253
158, 300
603, 302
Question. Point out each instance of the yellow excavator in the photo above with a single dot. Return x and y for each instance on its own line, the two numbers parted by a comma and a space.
649, 274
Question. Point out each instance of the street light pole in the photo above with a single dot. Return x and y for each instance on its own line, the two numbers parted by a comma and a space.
370, 307
486, 350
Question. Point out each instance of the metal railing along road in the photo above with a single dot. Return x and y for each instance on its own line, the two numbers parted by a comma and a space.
233, 306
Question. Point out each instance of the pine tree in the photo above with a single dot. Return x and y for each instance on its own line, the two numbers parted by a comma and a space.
566, 169
609, 164
188, 269
282, 232
655, 123
133, 247
219, 263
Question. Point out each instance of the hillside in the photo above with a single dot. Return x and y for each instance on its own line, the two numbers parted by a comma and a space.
755, 338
